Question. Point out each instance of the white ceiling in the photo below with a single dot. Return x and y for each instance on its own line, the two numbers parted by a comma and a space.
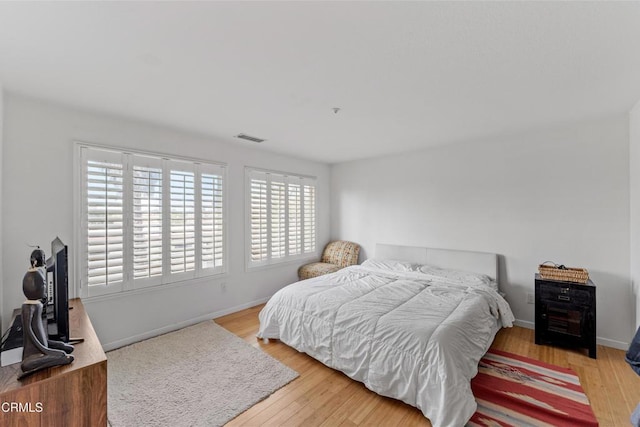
405, 75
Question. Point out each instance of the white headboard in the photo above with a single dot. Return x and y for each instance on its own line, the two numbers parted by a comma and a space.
476, 262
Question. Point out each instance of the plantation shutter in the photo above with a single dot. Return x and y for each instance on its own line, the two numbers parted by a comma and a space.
147, 218
182, 191
212, 217
295, 219
103, 220
309, 215
278, 220
281, 218
258, 228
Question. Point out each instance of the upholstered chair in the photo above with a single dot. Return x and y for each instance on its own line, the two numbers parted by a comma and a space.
336, 255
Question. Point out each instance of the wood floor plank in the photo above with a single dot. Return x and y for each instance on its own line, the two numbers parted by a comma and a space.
357, 404
324, 397
389, 413
415, 418
243, 314
625, 376
270, 407
319, 404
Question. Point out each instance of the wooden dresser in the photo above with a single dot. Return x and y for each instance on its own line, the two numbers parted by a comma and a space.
72, 395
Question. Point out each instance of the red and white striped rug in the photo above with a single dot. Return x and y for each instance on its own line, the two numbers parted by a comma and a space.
513, 390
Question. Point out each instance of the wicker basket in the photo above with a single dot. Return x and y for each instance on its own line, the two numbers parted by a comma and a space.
562, 273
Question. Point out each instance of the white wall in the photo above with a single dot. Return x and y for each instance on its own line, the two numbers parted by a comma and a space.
560, 195
634, 191
38, 198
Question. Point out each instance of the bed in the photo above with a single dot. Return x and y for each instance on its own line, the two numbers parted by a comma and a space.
411, 323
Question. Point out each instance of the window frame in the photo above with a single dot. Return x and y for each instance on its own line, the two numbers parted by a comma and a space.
288, 178
166, 279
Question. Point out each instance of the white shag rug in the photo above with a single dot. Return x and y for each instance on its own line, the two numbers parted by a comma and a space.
201, 375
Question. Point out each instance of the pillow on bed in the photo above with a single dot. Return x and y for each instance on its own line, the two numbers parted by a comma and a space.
389, 264
462, 277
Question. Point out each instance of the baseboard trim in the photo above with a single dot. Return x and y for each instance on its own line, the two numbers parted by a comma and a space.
620, 345
524, 324
175, 326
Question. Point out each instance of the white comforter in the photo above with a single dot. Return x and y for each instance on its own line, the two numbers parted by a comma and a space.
407, 335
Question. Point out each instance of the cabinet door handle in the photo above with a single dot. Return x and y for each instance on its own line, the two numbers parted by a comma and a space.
564, 298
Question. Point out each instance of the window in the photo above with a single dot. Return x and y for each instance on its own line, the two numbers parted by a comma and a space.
281, 217
148, 220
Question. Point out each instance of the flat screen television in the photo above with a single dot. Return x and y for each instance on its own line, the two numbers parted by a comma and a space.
58, 292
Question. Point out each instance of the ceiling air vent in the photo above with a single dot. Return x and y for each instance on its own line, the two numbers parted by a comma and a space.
249, 138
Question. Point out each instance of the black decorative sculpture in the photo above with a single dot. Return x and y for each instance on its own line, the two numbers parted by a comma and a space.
38, 353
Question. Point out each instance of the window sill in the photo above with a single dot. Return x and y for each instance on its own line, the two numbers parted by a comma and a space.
299, 261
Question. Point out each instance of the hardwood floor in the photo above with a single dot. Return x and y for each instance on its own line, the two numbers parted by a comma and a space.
324, 397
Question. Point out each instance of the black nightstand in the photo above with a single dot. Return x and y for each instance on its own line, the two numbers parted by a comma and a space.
566, 314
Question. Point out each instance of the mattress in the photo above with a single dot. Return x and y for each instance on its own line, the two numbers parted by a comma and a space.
414, 333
